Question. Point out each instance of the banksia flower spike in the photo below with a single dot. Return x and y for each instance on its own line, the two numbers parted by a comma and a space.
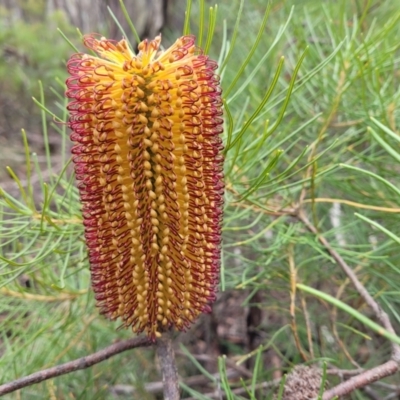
148, 160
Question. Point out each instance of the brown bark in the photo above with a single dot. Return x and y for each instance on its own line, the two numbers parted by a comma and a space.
75, 365
166, 357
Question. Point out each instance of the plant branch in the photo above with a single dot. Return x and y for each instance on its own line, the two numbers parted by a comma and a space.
344, 372
169, 370
75, 365
361, 380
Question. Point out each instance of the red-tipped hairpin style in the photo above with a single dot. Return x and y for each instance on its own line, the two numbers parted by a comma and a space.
148, 159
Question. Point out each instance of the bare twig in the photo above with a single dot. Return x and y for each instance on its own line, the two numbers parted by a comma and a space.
361, 380
344, 372
169, 370
75, 365
308, 326
371, 393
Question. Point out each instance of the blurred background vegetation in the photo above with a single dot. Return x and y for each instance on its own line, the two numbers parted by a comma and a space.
330, 151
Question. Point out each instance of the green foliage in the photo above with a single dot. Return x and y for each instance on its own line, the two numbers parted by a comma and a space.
32, 51
311, 124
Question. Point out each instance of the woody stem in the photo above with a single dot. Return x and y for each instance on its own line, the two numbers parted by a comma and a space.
166, 356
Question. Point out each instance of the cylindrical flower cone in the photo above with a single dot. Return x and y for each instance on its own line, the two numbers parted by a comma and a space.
148, 158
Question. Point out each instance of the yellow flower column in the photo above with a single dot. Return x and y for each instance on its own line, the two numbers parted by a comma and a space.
148, 159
